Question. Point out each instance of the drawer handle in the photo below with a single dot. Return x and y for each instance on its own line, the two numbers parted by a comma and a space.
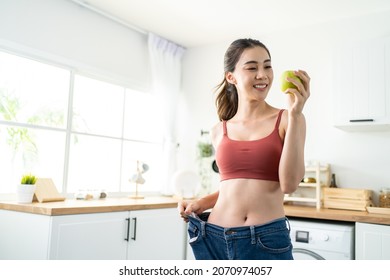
128, 229
362, 120
135, 229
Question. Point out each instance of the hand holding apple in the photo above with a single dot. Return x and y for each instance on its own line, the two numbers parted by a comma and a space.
298, 88
284, 83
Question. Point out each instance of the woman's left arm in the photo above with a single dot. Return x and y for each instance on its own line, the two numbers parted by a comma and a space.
292, 162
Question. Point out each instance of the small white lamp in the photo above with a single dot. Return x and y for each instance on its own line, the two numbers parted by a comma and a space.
138, 179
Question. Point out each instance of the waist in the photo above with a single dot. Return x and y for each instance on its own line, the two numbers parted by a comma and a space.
278, 223
243, 202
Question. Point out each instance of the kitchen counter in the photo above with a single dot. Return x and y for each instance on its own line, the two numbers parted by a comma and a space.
336, 215
102, 229
72, 206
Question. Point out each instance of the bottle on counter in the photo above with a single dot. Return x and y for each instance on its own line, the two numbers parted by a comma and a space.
333, 181
384, 198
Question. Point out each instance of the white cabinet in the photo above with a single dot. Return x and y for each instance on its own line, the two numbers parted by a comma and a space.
361, 88
372, 242
156, 236
321, 174
141, 234
23, 236
89, 236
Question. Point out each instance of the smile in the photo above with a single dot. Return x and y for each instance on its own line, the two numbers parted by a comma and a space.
260, 86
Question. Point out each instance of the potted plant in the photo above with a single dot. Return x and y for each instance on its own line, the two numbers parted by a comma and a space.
25, 190
205, 149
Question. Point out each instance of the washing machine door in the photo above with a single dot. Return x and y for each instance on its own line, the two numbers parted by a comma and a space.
304, 254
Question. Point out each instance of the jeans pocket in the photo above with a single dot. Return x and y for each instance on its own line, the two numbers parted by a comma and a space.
277, 241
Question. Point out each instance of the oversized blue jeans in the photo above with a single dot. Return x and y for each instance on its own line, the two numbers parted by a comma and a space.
269, 241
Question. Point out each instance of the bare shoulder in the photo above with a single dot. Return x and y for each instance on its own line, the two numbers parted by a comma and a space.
274, 112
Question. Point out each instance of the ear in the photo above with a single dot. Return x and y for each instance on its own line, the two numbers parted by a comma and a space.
230, 78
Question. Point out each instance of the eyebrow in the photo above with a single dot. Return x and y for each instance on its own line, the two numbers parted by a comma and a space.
254, 61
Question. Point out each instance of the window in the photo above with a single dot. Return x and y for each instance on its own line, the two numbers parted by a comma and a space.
97, 146
33, 113
33, 92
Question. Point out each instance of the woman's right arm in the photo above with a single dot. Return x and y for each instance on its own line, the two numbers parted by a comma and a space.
197, 206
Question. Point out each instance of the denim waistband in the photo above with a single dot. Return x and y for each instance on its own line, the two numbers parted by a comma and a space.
241, 231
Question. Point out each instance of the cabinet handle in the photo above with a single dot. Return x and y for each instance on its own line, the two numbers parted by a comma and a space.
362, 120
128, 229
135, 229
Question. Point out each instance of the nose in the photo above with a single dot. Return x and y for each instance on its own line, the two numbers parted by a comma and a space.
261, 75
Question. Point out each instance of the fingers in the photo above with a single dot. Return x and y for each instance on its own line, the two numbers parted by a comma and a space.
184, 209
299, 95
182, 205
303, 75
187, 208
302, 85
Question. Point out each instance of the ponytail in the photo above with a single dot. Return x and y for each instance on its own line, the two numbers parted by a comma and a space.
226, 100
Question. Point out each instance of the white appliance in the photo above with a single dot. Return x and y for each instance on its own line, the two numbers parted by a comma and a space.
314, 239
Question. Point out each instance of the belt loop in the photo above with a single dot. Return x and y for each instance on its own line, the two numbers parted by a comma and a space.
203, 228
288, 224
253, 236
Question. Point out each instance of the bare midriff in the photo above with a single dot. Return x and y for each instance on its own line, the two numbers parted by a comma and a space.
246, 202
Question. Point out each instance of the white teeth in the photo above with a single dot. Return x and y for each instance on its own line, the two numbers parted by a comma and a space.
260, 86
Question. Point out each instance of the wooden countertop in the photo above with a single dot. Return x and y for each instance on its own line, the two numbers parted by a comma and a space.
336, 214
72, 206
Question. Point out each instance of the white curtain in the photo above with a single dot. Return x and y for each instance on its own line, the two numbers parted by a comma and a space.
165, 59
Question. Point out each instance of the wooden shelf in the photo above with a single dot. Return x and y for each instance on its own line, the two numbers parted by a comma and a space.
322, 176
301, 199
314, 169
313, 185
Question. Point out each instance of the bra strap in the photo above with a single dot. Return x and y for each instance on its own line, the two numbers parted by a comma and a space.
279, 118
224, 128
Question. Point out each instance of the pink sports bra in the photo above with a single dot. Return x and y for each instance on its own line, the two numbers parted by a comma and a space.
255, 159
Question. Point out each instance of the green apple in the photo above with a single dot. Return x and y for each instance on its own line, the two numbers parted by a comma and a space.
284, 84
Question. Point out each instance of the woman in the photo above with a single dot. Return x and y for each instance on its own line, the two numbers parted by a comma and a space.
260, 156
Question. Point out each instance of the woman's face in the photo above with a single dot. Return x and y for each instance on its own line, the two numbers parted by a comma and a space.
253, 74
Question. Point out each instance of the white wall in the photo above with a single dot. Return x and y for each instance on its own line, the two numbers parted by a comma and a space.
359, 160
62, 31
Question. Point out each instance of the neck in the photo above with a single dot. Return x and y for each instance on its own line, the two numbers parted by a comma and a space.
250, 110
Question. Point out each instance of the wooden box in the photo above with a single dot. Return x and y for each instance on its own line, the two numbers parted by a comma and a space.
348, 199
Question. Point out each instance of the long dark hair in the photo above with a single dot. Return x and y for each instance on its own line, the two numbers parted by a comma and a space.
227, 97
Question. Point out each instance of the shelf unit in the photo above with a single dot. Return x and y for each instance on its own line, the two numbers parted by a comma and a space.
322, 176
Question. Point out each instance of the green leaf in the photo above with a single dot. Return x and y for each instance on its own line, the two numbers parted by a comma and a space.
28, 179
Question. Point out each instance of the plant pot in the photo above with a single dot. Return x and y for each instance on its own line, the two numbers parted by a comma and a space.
25, 193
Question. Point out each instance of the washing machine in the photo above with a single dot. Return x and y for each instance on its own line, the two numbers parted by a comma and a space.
322, 240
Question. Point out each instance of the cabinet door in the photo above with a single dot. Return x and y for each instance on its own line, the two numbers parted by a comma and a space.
372, 242
89, 236
23, 236
360, 93
156, 234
